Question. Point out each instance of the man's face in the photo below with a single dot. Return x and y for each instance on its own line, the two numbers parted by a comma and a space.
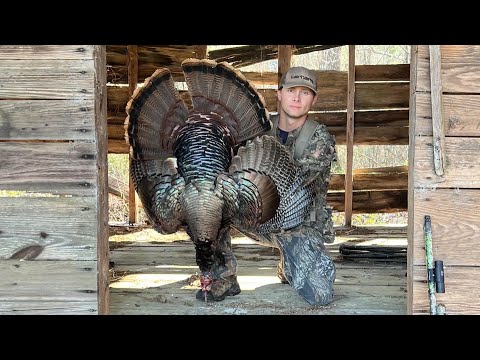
297, 101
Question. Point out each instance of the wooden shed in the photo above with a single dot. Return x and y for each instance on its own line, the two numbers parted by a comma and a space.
56, 111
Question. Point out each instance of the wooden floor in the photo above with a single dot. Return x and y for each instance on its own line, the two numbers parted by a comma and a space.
159, 277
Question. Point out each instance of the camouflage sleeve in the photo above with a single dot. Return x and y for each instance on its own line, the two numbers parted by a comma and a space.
317, 159
320, 152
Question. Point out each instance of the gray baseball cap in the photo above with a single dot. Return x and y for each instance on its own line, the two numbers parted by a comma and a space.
299, 76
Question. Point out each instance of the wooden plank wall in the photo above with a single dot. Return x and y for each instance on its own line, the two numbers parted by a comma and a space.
52, 132
452, 201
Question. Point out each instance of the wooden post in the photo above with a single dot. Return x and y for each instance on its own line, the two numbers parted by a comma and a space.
349, 136
284, 60
132, 85
201, 52
411, 175
100, 61
437, 110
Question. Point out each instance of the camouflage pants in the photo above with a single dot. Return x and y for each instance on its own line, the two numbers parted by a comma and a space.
307, 266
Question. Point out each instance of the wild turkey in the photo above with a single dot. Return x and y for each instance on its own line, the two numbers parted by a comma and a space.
183, 164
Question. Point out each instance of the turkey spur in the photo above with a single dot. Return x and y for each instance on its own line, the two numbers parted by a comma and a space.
187, 173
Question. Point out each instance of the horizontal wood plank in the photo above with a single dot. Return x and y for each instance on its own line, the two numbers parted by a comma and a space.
461, 115
381, 95
456, 78
117, 98
47, 120
455, 225
117, 71
48, 228
462, 291
370, 201
46, 52
46, 79
116, 132
396, 72
57, 168
373, 135
48, 287
373, 179
463, 163
453, 54
332, 96
376, 118
117, 75
363, 136
388, 127
118, 146
460, 68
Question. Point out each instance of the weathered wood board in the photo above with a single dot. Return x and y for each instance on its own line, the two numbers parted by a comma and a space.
54, 167
48, 287
462, 291
452, 200
63, 228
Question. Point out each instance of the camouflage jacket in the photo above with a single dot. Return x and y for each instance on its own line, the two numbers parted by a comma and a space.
317, 158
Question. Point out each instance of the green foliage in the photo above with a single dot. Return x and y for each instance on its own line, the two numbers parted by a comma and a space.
118, 165
371, 156
10, 193
395, 218
16, 193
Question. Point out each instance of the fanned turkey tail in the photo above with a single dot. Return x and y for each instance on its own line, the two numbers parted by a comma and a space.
155, 115
221, 89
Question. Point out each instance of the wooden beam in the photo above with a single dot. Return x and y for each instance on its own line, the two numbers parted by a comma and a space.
50, 167
387, 178
46, 52
284, 61
411, 174
46, 79
332, 87
117, 147
240, 56
397, 72
461, 115
100, 81
437, 110
387, 127
200, 51
48, 287
46, 223
460, 69
132, 85
455, 228
46, 120
370, 201
462, 290
463, 170
349, 136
